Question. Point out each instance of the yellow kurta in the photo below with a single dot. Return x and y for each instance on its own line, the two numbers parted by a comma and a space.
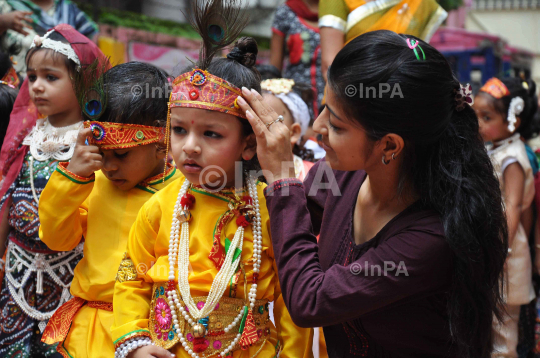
148, 248
97, 210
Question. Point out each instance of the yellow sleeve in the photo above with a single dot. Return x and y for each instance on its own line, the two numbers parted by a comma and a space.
133, 292
297, 342
333, 13
63, 210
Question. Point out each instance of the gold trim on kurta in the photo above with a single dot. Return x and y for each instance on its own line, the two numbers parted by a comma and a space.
223, 315
127, 270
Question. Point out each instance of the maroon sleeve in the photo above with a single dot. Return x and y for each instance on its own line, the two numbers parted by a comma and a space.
343, 293
315, 203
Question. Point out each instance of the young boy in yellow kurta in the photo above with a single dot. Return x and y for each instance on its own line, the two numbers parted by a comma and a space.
205, 247
128, 158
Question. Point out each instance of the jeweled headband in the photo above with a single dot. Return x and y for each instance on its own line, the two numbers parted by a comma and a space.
107, 135
200, 89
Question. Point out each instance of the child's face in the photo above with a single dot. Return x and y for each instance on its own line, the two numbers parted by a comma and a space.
493, 125
206, 144
128, 167
280, 107
50, 84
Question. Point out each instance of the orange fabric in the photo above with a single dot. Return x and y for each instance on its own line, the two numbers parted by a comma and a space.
249, 336
11, 78
108, 135
100, 305
353, 4
58, 326
496, 88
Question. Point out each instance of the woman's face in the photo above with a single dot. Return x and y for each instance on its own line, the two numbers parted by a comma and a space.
346, 143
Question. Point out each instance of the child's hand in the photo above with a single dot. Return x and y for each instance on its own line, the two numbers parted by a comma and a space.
150, 352
86, 158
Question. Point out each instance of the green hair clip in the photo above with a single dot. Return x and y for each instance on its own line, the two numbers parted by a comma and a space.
413, 44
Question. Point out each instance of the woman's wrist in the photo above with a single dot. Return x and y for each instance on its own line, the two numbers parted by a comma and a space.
280, 184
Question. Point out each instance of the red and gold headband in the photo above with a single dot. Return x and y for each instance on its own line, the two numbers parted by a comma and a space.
11, 79
200, 89
496, 88
107, 135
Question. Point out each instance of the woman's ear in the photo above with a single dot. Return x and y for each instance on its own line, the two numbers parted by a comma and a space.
250, 148
392, 146
295, 133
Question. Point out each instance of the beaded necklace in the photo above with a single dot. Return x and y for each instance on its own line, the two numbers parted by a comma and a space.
179, 249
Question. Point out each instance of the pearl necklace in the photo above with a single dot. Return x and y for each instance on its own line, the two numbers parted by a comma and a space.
179, 248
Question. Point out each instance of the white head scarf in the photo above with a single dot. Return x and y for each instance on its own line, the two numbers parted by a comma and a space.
282, 89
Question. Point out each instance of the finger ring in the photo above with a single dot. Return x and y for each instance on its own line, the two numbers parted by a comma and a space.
279, 119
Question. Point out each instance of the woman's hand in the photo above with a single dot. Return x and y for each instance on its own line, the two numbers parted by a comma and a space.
150, 352
273, 143
86, 158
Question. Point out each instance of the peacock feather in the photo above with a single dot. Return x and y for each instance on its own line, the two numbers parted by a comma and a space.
90, 90
219, 22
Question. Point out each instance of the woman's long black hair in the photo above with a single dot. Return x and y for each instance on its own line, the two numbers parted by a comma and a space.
445, 163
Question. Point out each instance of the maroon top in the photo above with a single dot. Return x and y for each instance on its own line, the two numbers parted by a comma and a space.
400, 314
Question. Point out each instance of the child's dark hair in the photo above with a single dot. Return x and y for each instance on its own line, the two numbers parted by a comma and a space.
445, 162
238, 69
526, 89
268, 72
55, 35
136, 94
7, 96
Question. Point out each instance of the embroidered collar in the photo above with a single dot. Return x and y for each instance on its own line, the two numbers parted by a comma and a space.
47, 141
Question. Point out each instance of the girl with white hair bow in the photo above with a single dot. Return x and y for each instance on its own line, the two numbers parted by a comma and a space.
279, 93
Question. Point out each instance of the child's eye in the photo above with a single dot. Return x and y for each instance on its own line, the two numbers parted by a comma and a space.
179, 130
486, 118
51, 78
212, 134
31, 78
121, 156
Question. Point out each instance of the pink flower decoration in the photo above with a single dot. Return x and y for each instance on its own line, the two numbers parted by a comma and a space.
163, 313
